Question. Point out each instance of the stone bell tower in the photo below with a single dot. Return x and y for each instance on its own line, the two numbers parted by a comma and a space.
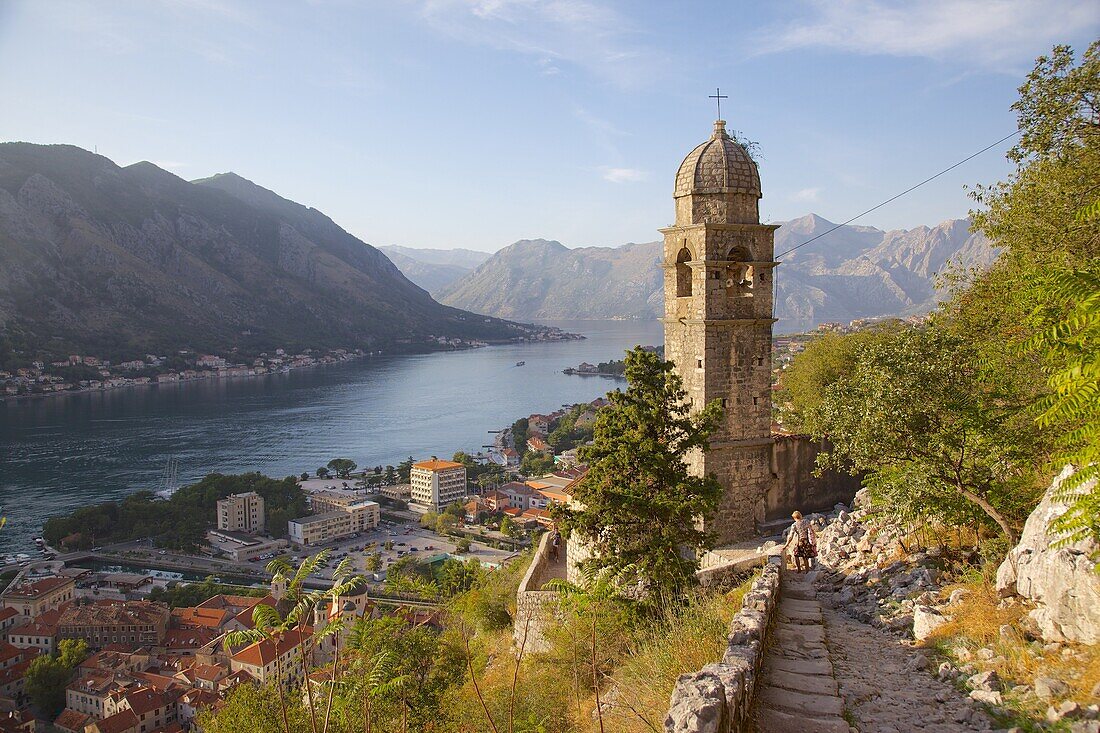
718, 261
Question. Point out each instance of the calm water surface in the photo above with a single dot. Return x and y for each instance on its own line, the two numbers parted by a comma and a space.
63, 452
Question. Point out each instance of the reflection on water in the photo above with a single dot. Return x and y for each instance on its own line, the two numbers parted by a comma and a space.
59, 453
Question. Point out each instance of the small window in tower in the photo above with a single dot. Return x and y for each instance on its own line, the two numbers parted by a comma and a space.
725, 402
683, 273
756, 400
698, 363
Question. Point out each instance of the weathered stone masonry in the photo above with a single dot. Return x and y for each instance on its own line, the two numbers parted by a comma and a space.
718, 261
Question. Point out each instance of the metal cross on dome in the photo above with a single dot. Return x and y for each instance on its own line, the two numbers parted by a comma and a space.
718, 96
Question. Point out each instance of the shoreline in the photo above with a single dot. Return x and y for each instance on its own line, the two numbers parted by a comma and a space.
6, 398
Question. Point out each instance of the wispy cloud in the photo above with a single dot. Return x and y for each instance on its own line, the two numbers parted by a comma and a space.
583, 33
996, 34
806, 194
623, 175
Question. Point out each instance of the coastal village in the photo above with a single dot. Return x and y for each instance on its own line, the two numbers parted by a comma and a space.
149, 666
88, 373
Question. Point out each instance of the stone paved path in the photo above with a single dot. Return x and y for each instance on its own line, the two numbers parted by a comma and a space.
885, 688
797, 690
825, 672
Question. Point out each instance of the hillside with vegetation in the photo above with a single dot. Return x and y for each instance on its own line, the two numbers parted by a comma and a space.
118, 262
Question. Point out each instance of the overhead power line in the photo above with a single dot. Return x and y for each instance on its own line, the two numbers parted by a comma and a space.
897, 196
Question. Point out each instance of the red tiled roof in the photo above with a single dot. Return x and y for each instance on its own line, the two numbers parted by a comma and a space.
120, 722
72, 721
263, 652
211, 618
37, 588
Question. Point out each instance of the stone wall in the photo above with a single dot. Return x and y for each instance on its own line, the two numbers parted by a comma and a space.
718, 698
534, 606
794, 485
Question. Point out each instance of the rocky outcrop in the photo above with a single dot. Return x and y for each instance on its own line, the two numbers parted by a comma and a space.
1062, 580
718, 698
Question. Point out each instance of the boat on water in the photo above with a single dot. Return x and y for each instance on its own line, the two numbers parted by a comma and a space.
520, 363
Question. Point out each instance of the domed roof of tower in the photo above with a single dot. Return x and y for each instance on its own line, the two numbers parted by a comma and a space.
719, 165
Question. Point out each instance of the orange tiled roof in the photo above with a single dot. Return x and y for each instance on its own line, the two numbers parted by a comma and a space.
436, 465
261, 653
120, 722
7, 612
37, 588
211, 618
71, 720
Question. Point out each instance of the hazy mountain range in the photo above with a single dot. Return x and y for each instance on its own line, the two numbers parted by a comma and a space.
105, 260
853, 272
433, 269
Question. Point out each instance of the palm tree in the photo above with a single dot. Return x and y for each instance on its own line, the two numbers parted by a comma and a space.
270, 625
343, 581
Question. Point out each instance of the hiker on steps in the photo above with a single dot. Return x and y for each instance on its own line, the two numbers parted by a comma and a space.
805, 543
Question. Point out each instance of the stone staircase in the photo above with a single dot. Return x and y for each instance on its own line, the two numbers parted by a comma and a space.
797, 690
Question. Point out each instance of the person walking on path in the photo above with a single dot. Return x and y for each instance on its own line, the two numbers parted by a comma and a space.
805, 543
555, 545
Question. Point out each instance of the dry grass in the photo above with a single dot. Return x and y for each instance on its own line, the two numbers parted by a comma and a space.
977, 623
694, 636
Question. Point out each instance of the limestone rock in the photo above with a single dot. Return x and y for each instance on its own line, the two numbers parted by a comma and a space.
987, 681
698, 705
1062, 581
1050, 687
926, 620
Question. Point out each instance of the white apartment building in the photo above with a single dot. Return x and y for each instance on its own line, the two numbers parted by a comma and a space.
437, 483
335, 516
241, 513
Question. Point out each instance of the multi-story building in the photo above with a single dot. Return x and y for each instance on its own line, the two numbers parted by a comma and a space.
437, 483
336, 515
138, 710
137, 623
33, 598
397, 492
268, 662
241, 513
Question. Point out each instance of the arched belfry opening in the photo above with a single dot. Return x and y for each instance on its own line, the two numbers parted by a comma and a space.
740, 273
683, 273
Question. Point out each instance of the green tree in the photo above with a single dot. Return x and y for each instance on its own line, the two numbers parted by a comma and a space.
641, 503
342, 466
825, 359
1041, 294
507, 527
374, 562
305, 476
918, 410
48, 675
404, 469
536, 464
322, 472
391, 475
463, 545
71, 652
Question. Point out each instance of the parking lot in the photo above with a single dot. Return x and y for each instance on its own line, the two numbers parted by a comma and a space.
408, 538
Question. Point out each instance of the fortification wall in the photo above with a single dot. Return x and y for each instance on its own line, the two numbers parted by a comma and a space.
535, 607
794, 485
718, 698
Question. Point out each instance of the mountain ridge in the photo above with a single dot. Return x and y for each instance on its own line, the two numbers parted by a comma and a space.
853, 272
99, 258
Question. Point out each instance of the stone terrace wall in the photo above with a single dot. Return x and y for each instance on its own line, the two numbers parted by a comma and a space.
534, 607
718, 698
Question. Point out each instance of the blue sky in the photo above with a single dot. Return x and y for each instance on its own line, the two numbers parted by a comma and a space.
473, 123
